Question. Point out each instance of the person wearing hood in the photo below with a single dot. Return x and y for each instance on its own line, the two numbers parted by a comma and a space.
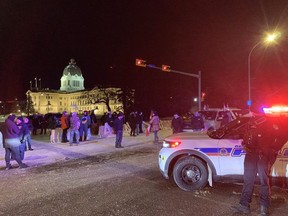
12, 142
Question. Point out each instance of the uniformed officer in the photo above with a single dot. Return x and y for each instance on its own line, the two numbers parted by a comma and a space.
262, 142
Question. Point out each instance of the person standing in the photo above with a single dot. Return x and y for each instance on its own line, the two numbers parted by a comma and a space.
52, 127
74, 128
132, 123
118, 128
93, 124
140, 115
177, 123
64, 126
155, 125
58, 130
12, 142
28, 135
197, 122
84, 125
261, 142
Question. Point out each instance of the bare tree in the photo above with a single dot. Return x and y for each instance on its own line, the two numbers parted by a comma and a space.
106, 95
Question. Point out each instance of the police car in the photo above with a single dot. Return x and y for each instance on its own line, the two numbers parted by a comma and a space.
193, 160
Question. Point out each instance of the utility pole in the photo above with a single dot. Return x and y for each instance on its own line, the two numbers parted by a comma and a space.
167, 68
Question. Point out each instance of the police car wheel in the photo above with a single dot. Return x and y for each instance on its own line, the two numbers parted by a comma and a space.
190, 174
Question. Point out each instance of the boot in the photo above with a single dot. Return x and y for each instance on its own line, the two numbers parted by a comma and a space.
80, 139
264, 210
240, 209
85, 137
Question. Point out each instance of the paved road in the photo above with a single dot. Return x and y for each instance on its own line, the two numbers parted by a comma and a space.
120, 183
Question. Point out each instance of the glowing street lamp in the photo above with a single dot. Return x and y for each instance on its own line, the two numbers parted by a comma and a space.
269, 39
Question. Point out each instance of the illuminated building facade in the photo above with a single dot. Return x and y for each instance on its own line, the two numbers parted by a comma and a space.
72, 95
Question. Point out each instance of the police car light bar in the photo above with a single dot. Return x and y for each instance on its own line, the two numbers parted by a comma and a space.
276, 110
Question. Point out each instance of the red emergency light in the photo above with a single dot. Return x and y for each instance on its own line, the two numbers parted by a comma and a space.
276, 110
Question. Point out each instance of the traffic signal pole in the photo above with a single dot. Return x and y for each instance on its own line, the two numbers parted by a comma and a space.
198, 76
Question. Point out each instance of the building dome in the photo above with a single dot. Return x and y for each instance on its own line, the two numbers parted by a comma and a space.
72, 79
72, 69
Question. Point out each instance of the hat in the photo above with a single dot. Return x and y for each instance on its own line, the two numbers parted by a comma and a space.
20, 118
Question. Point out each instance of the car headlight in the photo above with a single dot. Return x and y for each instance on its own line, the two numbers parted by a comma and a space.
170, 144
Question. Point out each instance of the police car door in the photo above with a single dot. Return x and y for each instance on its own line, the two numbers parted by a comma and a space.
231, 157
231, 152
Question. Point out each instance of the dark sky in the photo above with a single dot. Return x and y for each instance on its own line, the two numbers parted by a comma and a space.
38, 37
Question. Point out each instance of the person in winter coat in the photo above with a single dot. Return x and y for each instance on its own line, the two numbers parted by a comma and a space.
22, 135
155, 125
84, 125
132, 123
52, 123
177, 123
93, 126
140, 118
74, 128
64, 126
262, 141
118, 128
28, 135
197, 121
12, 142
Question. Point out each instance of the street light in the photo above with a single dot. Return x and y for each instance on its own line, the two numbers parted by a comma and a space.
270, 38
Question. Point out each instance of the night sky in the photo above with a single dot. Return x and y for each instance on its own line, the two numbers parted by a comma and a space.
38, 38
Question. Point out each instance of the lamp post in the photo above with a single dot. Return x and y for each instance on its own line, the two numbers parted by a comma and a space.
270, 38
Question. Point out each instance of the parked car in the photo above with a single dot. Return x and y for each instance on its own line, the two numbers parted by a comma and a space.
192, 160
212, 117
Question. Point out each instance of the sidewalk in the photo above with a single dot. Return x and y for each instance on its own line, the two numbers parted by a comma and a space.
47, 153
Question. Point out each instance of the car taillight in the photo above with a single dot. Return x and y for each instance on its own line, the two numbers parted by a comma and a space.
170, 144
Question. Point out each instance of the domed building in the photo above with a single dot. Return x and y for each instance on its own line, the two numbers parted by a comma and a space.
72, 96
72, 79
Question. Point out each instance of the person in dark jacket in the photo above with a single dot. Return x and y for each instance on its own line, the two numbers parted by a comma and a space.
118, 128
85, 123
262, 141
140, 118
12, 142
177, 123
197, 121
22, 135
52, 124
28, 135
132, 123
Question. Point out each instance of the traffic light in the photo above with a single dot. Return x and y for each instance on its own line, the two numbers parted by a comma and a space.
140, 63
166, 68
203, 95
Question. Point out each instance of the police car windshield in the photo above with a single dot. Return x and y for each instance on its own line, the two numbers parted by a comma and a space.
235, 127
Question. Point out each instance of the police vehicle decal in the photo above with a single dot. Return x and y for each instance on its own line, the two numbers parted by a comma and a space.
216, 151
233, 152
